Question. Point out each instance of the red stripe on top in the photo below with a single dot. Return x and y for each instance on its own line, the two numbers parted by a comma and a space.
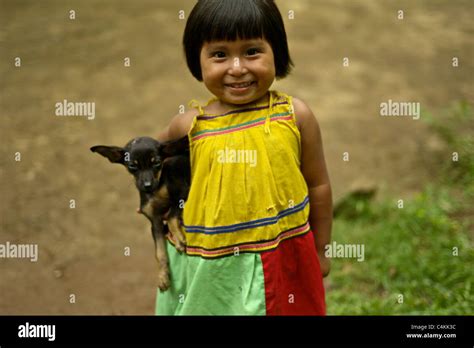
235, 129
243, 247
293, 279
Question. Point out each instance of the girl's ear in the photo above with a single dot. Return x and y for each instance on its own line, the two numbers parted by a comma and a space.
175, 147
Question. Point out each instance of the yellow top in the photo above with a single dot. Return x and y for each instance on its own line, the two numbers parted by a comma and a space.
247, 190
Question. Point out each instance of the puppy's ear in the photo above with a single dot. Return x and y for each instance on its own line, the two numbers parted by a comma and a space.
115, 154
175, 147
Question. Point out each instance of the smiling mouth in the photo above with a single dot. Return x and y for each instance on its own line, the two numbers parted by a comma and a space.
240, 85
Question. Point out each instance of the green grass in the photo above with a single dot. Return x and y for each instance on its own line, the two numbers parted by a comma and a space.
411, 251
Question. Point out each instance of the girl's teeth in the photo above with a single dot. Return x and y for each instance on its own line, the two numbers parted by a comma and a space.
241, 85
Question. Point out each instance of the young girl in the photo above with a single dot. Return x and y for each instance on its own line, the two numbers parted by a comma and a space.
259, 211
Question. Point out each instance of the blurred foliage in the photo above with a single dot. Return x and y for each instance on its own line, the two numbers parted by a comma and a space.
422, 251
455, 126
356, 204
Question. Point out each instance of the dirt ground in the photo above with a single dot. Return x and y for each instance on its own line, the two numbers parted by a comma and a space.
81, 250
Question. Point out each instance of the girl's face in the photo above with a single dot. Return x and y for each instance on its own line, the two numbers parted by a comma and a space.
238, 72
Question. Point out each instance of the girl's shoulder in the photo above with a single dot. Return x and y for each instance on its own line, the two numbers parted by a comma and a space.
301, 111
181, 124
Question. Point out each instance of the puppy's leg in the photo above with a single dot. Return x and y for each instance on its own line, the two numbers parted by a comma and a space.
178, 234
176, 228
161, 255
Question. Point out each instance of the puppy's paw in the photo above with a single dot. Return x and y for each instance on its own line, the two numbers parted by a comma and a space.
178, 234
180, 240
163, 279
180, 245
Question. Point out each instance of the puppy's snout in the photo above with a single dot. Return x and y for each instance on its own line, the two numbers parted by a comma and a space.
145, 181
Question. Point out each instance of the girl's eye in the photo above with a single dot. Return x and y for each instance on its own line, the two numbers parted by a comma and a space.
218, 54
253, 51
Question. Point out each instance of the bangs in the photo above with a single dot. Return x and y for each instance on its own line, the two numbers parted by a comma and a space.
232, 20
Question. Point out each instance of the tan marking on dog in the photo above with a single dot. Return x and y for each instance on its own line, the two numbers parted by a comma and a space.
158, 176
163, 193
148, 209
162, 258
160, 201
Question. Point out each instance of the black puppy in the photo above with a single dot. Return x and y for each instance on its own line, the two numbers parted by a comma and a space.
162, 176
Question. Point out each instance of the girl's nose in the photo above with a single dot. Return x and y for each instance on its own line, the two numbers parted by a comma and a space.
237, 68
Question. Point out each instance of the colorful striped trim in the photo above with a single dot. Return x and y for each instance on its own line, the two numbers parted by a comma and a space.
249, 224
246, 125
251, 247
238, 111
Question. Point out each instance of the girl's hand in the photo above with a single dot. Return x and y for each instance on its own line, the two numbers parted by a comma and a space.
325, 264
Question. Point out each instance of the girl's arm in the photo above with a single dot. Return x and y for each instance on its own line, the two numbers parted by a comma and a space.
164, 135
313, 167
178, 127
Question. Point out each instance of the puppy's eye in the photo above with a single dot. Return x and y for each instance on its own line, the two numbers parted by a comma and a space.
132, 167
157, 164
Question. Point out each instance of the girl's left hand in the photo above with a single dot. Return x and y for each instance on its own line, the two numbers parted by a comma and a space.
325, 264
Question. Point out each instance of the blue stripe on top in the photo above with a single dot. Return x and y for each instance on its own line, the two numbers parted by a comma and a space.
248, 224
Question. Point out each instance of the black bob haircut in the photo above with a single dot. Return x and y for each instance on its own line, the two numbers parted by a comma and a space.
229, 20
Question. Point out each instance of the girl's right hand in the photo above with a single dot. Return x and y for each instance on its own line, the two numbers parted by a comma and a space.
324, 263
